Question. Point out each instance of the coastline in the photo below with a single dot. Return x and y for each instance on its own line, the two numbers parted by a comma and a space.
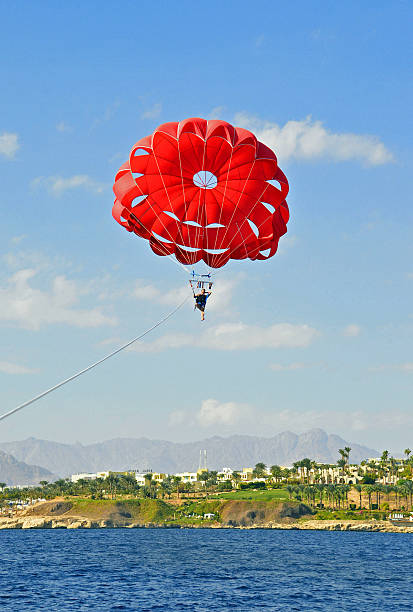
84, 523
213, 514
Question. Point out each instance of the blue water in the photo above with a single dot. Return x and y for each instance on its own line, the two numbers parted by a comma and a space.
204, 570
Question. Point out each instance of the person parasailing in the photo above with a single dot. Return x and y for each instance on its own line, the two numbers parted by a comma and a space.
201, 300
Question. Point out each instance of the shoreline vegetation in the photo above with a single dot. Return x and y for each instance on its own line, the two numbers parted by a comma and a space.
272, 498
218, 513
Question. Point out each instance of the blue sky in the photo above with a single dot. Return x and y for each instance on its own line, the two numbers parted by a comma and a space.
319, 336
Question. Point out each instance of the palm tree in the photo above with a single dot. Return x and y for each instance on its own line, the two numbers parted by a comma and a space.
290, 490
296, 468
343, 453
130, 483
308, 492
359, 489
378, 488
298, 491
61, 485
369, 489
339, 494
260, 470
203, 476
387, 489
332, 492
345, 490
306, 463
403, 492
409, 488
393, 466
276, 472
320, 489
327, 492
212, 480
236, 477
166, 487
112, 482
176, 481
407, 452
342, 464
347, 450
286, 473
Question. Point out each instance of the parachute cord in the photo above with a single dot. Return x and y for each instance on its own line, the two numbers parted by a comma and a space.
93, 365
169, 256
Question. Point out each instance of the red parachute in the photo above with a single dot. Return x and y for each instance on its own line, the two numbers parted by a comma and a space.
202, 190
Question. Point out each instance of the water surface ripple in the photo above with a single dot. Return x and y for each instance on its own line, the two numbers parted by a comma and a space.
204, 570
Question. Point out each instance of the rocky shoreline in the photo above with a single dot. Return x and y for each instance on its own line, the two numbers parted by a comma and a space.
25, 522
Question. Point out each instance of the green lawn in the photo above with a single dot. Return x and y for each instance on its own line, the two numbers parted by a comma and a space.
280, 494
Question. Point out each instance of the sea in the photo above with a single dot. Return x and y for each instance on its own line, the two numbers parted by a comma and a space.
201, 570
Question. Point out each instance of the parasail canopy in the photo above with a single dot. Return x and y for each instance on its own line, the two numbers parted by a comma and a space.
203, 190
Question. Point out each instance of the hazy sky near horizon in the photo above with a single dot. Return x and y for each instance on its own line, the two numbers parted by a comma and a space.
319, 336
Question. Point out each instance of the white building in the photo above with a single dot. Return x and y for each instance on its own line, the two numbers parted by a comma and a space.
187, 476
225, 474
142, 477
82, 476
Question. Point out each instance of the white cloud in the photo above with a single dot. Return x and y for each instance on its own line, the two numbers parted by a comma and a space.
63, 127
17, 239
9, 144
13, 368
279, 367
400, 367
352, 330
236, 337
220, 300
287, 243
234, 417
151, 293
37, 260
32, 308
152, 112
354, 420
217, 112
333, 420
308, 140
169, 341
57, 185
213, 412
177, 417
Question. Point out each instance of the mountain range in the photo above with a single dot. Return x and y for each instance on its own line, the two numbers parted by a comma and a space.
161, 456
14, 472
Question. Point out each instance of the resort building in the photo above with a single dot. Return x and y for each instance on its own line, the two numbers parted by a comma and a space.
88, 476
143, 477
225, 474
188, 476
246, 474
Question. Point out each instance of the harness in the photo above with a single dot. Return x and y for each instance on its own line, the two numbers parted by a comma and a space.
201, 281
201, 299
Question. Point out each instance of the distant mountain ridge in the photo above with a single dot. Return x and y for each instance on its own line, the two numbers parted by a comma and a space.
14, 472
159, 455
